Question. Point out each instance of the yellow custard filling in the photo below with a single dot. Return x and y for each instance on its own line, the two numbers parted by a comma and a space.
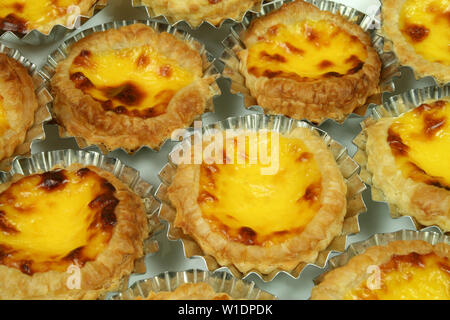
4, 124
420, 141
255, 208
23, 15
426, 26
408, 277
306, 50
136, 81
51, 220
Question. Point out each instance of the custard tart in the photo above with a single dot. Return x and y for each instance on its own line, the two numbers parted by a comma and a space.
309, 64
408, 158
22, 16
401, 270
130, 87
18, 104
267, 202
197, 11
68, 233
420, 33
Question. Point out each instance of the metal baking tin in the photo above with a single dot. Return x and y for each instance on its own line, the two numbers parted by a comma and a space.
46, 161
49, 69
36, 37
173, 21
42, 113
221, 282
393, 107
233, 44
282, 125
382, 239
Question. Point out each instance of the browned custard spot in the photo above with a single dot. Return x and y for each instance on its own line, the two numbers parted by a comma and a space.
57, 218
417, 33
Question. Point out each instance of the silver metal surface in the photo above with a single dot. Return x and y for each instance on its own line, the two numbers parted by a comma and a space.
170, 256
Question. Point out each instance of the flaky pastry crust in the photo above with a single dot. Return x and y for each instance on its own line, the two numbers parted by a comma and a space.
190, 291
19, 103
314, 100
197, 11
97, 276
338, 282
84, 117
404, 51
304, 247
429, 204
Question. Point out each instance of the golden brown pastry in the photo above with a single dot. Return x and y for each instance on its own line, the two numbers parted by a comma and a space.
130, 87
260, 214
407, 157
22, 16
189, 291
310, 64
197, 11
18, 104
419, 30
69, 233
401, 270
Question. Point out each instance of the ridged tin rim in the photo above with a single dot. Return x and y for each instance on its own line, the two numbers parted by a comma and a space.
393, 107
283, 125
232, 44
42, 114
221, 282
209, 68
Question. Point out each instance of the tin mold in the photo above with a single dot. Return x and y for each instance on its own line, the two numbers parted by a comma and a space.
42, 113
232, 44
36, 37
282, 125
381, 239
393, 107
174, 21
221, 282
46, 161
209, 68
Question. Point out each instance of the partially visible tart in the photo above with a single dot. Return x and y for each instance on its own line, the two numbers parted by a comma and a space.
310, 64
130, 87
22, 16
189, 291
197, 11
259, 212
401, 270
408, 157
419, 30
18, 104
69, 233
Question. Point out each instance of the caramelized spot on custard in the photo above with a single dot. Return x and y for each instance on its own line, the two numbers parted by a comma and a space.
293, 49
83, 58
305, 156
247, 236
325, 64
396, 143
312, 193
311, 34
165, 71
143, 60
272, 31
25, 267
205, 196
272, 57
81, 82
432, 124
417, 33
13, 23
53, 180
397, 261
214, 1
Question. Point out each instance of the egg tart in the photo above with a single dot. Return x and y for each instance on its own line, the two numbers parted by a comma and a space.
257, 213
130, 87
419, 31
309, 64
18, 104
197, 11
407, 157
22, 16
401, 270
68, 233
